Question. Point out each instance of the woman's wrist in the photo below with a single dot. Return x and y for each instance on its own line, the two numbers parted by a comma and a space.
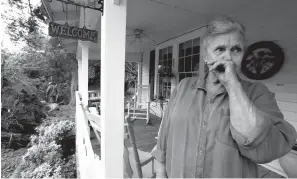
232, 84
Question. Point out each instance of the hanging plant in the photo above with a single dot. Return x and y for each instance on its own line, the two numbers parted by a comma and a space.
163, 73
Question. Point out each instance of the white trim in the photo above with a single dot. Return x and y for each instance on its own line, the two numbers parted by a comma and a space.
79, 74
84, 73
174, 81
182, 38
113, 36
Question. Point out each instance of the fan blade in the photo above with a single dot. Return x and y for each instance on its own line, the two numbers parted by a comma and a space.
148, 37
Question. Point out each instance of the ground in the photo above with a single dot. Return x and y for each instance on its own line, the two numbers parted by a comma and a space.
11, 158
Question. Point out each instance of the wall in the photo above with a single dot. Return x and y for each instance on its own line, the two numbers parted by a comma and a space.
283, 84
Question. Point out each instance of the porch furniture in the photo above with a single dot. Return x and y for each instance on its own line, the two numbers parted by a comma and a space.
139, 105
94, 99
163, 104
142, 163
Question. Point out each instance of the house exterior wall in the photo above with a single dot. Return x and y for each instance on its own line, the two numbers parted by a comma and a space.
283, 84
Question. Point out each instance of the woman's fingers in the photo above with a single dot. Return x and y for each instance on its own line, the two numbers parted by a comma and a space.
215, 65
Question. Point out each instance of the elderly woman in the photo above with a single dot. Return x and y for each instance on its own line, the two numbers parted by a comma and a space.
218, 125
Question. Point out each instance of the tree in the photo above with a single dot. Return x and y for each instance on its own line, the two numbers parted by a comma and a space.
24, 23
26, 26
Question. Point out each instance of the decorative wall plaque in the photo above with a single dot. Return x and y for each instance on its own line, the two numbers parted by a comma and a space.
262, 60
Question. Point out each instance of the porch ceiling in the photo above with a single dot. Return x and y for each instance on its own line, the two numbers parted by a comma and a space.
165, 19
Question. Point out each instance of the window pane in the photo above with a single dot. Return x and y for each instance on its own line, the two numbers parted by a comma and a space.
188, 74
160, 55
181, 76
167, 93
169, 52
189, 47
181, 65
188, 64
169, 66
160, 62
165, 53
196, 46
165, 66
169, 63
181, 50
195, 63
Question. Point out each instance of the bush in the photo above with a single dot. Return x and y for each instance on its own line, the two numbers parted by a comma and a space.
44, 159
32, 73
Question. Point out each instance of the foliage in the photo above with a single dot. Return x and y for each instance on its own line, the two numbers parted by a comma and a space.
27, 111
24, 22
44, 159
131, 71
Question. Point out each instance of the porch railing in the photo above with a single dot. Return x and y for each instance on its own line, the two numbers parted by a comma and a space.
88, 163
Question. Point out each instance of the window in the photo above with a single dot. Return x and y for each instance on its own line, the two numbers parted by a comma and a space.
165, 72
189, 56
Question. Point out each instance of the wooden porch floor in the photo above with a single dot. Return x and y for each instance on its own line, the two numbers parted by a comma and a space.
145, 137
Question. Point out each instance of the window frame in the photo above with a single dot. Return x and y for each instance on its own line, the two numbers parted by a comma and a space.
190, 35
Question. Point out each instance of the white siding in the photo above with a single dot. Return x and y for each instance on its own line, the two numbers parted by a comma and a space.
287, 101
145, 77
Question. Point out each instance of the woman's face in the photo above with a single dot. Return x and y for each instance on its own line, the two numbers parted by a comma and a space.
225, 47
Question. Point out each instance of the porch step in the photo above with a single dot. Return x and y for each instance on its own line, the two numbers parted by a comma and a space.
136, 117
136, 109
137, 113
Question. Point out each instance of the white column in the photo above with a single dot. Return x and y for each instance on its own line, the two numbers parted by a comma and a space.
84, 73
145, 76
79, 63
139, 80
113, 41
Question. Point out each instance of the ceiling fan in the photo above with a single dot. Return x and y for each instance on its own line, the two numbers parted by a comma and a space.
138, 36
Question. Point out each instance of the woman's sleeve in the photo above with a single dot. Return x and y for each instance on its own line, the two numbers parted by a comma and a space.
159, 150
273, 137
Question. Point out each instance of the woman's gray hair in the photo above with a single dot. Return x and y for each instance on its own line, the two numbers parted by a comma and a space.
221, 25
218, 26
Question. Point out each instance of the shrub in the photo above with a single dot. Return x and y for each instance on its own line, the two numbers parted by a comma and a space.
44, 159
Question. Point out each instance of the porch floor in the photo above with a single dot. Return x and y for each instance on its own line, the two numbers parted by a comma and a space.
145, 141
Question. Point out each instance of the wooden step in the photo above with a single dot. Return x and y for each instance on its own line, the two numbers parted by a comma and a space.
135, 117
136, 109
137, 113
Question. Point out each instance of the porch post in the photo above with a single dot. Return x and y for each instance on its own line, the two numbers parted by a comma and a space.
79, 63
84, 73
113, 41
139, 81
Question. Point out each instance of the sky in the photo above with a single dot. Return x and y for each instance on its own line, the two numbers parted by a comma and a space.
6, 8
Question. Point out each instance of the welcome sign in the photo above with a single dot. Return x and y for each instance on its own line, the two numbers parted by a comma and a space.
72, 32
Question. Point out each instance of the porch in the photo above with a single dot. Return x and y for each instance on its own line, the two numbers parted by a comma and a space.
160, 34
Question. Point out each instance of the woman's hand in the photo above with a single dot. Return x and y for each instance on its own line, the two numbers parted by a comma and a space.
227, 76
160, 170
